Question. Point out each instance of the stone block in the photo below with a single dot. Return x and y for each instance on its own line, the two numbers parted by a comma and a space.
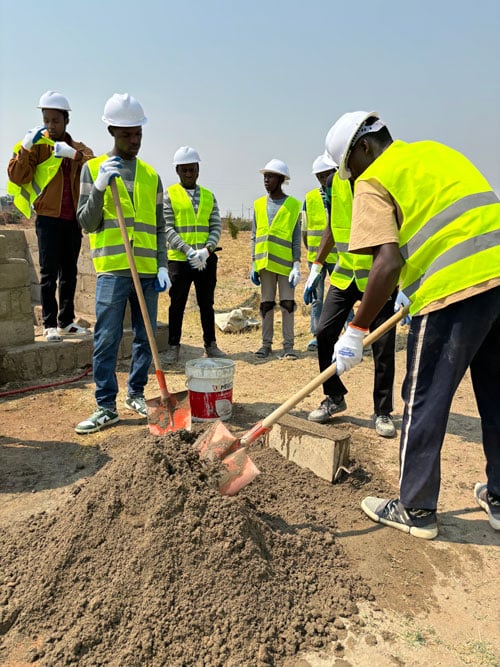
320, 448
14, 273
18, 331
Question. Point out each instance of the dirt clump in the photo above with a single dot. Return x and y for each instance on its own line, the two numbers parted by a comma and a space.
145, 563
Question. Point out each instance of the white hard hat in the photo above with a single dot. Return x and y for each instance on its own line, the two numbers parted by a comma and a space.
186, 155
344, 134
276, 166
53, 100
123, 110
323, 163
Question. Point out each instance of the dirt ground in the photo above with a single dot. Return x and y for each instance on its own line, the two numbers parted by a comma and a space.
117, 550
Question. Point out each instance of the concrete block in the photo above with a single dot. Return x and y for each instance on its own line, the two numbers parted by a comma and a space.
17, 332
320, 448
14, 273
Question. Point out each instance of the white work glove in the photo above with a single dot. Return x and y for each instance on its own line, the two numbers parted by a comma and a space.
163, 279
401, 302
198, 258
348, 350
294, 275
202, 256
32, 136
312, 283
62, 149
108, 170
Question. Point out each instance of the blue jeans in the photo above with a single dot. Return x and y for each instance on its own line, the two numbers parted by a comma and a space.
317, 303
111, 297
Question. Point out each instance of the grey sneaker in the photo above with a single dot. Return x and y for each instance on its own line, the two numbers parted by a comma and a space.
329, 407
137, 403
171, 356
384, 426
489, 503
417, 522
214, 352
100, 419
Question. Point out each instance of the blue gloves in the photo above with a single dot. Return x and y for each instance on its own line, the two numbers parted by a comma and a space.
32, 136
312, 282
254, 277
162, 281
401, 302
108, 170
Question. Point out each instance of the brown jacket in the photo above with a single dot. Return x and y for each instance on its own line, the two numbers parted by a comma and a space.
22, 168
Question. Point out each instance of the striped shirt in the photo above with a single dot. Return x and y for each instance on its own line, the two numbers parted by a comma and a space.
174, 241
91, 201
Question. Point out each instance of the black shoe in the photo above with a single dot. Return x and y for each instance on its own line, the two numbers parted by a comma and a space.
329, 407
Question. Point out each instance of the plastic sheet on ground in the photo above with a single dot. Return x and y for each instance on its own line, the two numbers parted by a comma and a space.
236, 320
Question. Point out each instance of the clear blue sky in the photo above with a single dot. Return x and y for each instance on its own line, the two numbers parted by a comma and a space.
244, 82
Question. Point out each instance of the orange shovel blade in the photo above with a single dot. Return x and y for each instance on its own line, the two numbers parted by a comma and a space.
171, 414
215, 442
240, 471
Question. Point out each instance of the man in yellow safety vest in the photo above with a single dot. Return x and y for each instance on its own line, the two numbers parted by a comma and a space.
141, 197
193, 232
314, 221
431, 221
275, 242
44, 174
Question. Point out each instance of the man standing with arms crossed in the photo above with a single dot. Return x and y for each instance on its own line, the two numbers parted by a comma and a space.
141, 198
193, 232
432, 222
45, 173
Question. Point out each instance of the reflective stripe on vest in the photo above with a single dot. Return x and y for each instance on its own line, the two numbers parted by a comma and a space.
273, 243
350, 266
193, 228
26, 194
106, 246
317, 220
450, 232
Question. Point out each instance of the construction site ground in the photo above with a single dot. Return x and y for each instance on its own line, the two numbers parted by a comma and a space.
290, 572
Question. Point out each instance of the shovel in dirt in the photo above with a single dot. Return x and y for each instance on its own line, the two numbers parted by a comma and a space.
169, 412
217, 442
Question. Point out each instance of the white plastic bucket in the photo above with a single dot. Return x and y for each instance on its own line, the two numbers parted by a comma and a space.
210, 388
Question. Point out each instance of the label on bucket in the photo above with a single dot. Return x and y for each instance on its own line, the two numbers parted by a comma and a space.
208, 406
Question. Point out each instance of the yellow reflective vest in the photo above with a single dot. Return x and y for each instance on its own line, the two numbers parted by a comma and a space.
450, 230
106, 245
193, 228
317, 220
26, 194
273, 243
350, 266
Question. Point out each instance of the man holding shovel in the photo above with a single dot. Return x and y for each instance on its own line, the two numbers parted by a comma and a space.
141, 197
432, 222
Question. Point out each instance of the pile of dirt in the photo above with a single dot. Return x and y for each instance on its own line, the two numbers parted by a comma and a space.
145, 563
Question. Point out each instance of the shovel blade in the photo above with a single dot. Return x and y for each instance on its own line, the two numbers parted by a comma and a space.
171, 414
240, 471
216, 442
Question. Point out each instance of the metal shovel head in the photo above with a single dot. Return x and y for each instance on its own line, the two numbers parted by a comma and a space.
170, 414
240, 471
216, 442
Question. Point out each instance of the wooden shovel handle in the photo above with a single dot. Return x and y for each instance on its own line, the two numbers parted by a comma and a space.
138, 289
331, 370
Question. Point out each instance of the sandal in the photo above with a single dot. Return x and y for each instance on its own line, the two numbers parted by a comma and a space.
263, 352
289, 355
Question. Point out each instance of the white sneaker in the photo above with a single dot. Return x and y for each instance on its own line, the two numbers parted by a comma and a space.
51, 335
384, 426
73, 330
